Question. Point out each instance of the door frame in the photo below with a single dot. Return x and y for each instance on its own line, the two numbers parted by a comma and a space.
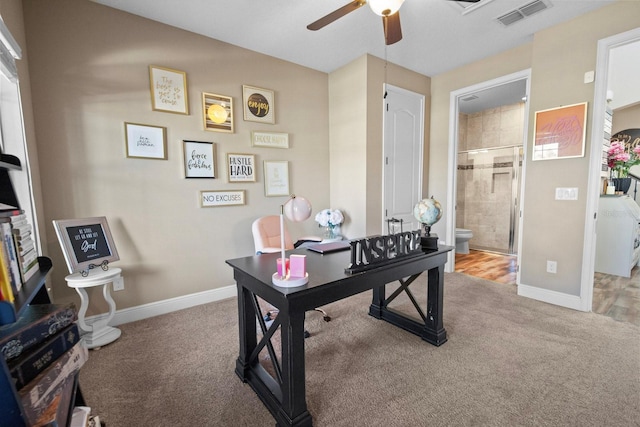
452, 181
593, 184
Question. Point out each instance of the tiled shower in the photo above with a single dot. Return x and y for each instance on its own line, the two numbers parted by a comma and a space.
488, 181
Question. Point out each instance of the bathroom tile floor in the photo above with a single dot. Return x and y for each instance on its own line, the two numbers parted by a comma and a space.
613, 296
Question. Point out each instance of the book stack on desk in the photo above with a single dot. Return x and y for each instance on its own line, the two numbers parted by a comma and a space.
43, 353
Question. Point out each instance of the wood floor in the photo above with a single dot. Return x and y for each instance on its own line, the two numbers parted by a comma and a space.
613, 296
488, 265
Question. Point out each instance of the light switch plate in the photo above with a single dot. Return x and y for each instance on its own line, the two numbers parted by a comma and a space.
566, 193
589, 77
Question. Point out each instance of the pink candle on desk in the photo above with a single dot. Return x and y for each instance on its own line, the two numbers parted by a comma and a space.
298, 265
282, 272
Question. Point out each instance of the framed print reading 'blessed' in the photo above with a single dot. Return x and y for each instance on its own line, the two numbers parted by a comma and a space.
258, 105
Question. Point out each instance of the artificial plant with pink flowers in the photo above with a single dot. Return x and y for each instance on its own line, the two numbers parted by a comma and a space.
620, 161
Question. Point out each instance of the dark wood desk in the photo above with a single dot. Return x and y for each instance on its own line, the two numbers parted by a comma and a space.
284, 392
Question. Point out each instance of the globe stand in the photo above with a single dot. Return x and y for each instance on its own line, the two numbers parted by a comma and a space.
429, 241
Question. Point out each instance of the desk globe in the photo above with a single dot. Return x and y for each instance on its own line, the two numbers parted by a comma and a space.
428, 212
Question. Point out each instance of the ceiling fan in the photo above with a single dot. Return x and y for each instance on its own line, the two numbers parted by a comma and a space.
388, 9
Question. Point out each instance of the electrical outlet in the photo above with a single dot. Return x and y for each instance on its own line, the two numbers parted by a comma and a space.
118, 284
552, 267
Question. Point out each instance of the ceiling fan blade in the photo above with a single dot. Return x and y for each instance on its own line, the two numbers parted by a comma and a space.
392, 30
336, 14
467, 1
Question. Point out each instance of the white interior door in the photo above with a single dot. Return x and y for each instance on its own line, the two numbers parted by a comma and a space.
403, 130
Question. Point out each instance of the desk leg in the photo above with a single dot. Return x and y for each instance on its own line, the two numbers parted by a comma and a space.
434, 331
294, 405
378, 303
431, 329
247, 332
285, 399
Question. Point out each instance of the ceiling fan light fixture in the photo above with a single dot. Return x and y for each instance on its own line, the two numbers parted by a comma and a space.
385, 7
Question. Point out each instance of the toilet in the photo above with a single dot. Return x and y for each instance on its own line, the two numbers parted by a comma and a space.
462, 240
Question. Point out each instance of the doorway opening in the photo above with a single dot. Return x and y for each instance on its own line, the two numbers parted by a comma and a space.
604, 293
487, 147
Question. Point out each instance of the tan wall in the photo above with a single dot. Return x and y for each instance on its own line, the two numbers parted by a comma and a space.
558, 58
626, 118
348, 136
89, 70
356, 105
554, 230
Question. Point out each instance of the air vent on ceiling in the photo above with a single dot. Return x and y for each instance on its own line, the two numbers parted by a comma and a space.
467, 7
522, 12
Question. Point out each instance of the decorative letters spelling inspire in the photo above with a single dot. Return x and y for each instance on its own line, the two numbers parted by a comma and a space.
372, 252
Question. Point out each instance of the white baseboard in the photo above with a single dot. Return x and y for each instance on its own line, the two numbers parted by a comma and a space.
551, 297
157, 308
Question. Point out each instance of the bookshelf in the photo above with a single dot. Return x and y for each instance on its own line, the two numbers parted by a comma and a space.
8, 163
33, 291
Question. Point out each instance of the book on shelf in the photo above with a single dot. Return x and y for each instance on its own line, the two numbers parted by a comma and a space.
18, 254
27, 270
6, 285
9, 212
22, 236
31, 363
21, 230
23, 247
28, 256
12, 255
48, 401
37, 323
22, 222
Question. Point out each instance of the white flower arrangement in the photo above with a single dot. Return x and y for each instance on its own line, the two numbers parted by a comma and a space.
329, 218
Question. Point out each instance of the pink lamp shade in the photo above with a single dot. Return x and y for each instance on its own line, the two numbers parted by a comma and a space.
297, 209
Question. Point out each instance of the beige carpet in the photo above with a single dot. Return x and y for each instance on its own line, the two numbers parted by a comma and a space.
509, 361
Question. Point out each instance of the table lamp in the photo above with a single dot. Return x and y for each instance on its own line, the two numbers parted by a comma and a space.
296, 209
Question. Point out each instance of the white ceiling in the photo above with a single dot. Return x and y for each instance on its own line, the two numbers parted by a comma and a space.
505, 94
437, 35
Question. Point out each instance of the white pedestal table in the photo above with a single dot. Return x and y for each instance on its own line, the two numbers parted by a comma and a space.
98, 333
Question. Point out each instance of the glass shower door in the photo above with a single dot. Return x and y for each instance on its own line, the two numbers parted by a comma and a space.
488, 192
